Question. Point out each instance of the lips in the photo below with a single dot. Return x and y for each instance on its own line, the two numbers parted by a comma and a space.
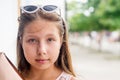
42, 61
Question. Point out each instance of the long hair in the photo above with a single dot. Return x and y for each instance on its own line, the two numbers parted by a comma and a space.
64, 60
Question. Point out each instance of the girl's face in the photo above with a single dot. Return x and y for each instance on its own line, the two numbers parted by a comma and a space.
41, 43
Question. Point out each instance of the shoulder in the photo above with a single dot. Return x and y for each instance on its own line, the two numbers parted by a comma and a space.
70, 77
66, 76
74, 78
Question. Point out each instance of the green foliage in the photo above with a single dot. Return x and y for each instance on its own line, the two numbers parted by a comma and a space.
71, 5
106, 16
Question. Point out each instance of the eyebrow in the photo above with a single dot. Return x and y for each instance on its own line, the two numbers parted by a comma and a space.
50, 35
32, 35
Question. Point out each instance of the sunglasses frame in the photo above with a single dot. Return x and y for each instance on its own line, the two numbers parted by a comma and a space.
56, 10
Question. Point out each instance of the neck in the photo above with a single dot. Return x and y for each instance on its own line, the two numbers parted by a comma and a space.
45, 74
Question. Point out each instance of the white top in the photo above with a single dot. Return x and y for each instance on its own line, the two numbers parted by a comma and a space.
64, 76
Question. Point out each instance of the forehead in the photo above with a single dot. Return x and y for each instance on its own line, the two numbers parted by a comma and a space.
41, 26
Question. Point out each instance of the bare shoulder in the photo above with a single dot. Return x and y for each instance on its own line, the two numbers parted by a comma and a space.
74, 78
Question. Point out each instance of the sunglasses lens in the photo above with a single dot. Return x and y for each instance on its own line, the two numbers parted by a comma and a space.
30, 8
49, 7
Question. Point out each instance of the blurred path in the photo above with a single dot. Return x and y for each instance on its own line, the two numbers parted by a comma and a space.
92, 65
104, 46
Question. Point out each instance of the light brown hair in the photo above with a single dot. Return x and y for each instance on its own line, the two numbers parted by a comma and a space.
64, 60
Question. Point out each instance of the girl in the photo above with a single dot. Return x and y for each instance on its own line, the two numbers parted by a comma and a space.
42, 45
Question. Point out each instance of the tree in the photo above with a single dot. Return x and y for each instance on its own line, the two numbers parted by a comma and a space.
105, 16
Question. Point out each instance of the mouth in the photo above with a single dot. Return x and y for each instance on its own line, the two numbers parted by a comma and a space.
41, 61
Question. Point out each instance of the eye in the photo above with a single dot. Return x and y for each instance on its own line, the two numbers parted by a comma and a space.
50, 39
32, 41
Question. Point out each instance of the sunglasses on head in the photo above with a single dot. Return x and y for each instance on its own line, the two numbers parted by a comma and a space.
45, 8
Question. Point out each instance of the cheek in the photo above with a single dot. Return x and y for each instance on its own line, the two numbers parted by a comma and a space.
28, 52
55, 50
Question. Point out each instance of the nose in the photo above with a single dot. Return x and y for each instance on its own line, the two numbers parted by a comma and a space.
41, 48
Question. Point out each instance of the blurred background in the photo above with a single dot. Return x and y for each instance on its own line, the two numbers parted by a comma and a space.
94, 34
